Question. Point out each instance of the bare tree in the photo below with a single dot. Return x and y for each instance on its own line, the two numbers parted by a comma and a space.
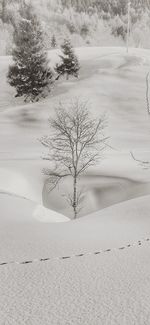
128, 26
144, 163
76, 143
147, 93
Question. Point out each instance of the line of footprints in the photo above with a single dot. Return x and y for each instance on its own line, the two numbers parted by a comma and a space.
139, 243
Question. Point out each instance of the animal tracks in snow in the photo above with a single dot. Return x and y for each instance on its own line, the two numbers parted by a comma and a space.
139, 243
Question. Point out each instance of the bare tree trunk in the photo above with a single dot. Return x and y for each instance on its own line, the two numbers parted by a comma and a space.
75, 196
128, 27
4, 11
147, 93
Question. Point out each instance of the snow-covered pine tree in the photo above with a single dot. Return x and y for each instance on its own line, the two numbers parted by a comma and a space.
69, 62
30, 73
53, 42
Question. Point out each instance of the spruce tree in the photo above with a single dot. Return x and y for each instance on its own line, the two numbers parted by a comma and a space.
69, 62
30, 73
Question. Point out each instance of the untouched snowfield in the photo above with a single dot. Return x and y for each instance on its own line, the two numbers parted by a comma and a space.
93, 270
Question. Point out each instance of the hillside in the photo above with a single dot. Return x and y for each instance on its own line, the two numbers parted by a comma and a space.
128, 127
93, 270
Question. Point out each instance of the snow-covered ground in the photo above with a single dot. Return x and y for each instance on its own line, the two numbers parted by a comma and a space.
109, 288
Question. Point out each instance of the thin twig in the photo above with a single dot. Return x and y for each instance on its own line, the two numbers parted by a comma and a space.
147, 93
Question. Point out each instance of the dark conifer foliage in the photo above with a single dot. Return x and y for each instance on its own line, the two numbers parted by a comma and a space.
70, 64
53, 42
30, 74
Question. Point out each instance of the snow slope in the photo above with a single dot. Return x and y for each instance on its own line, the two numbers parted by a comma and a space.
109, 288
114, 83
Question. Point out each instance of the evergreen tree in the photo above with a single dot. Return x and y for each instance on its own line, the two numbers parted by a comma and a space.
30, 74
53, 42
69, 65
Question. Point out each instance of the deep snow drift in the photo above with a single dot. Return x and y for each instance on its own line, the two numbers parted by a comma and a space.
112, 287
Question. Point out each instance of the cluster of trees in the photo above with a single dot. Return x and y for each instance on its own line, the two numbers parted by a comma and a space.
85, 18
30, 73
77, 140
84, 21
115, 7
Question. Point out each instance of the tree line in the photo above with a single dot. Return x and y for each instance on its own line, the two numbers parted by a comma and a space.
114, 7
84, 21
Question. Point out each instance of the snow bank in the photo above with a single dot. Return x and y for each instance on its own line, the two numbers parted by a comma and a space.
45, 215
14, 182
14, 209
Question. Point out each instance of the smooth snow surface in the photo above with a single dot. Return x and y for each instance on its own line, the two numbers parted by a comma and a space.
111, 288
45, 215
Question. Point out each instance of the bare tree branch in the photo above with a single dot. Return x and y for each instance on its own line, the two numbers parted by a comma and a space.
143, 163
147, 93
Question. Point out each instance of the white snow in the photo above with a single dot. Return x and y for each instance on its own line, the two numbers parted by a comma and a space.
15, 182
106, 289
110, 288
45, 215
